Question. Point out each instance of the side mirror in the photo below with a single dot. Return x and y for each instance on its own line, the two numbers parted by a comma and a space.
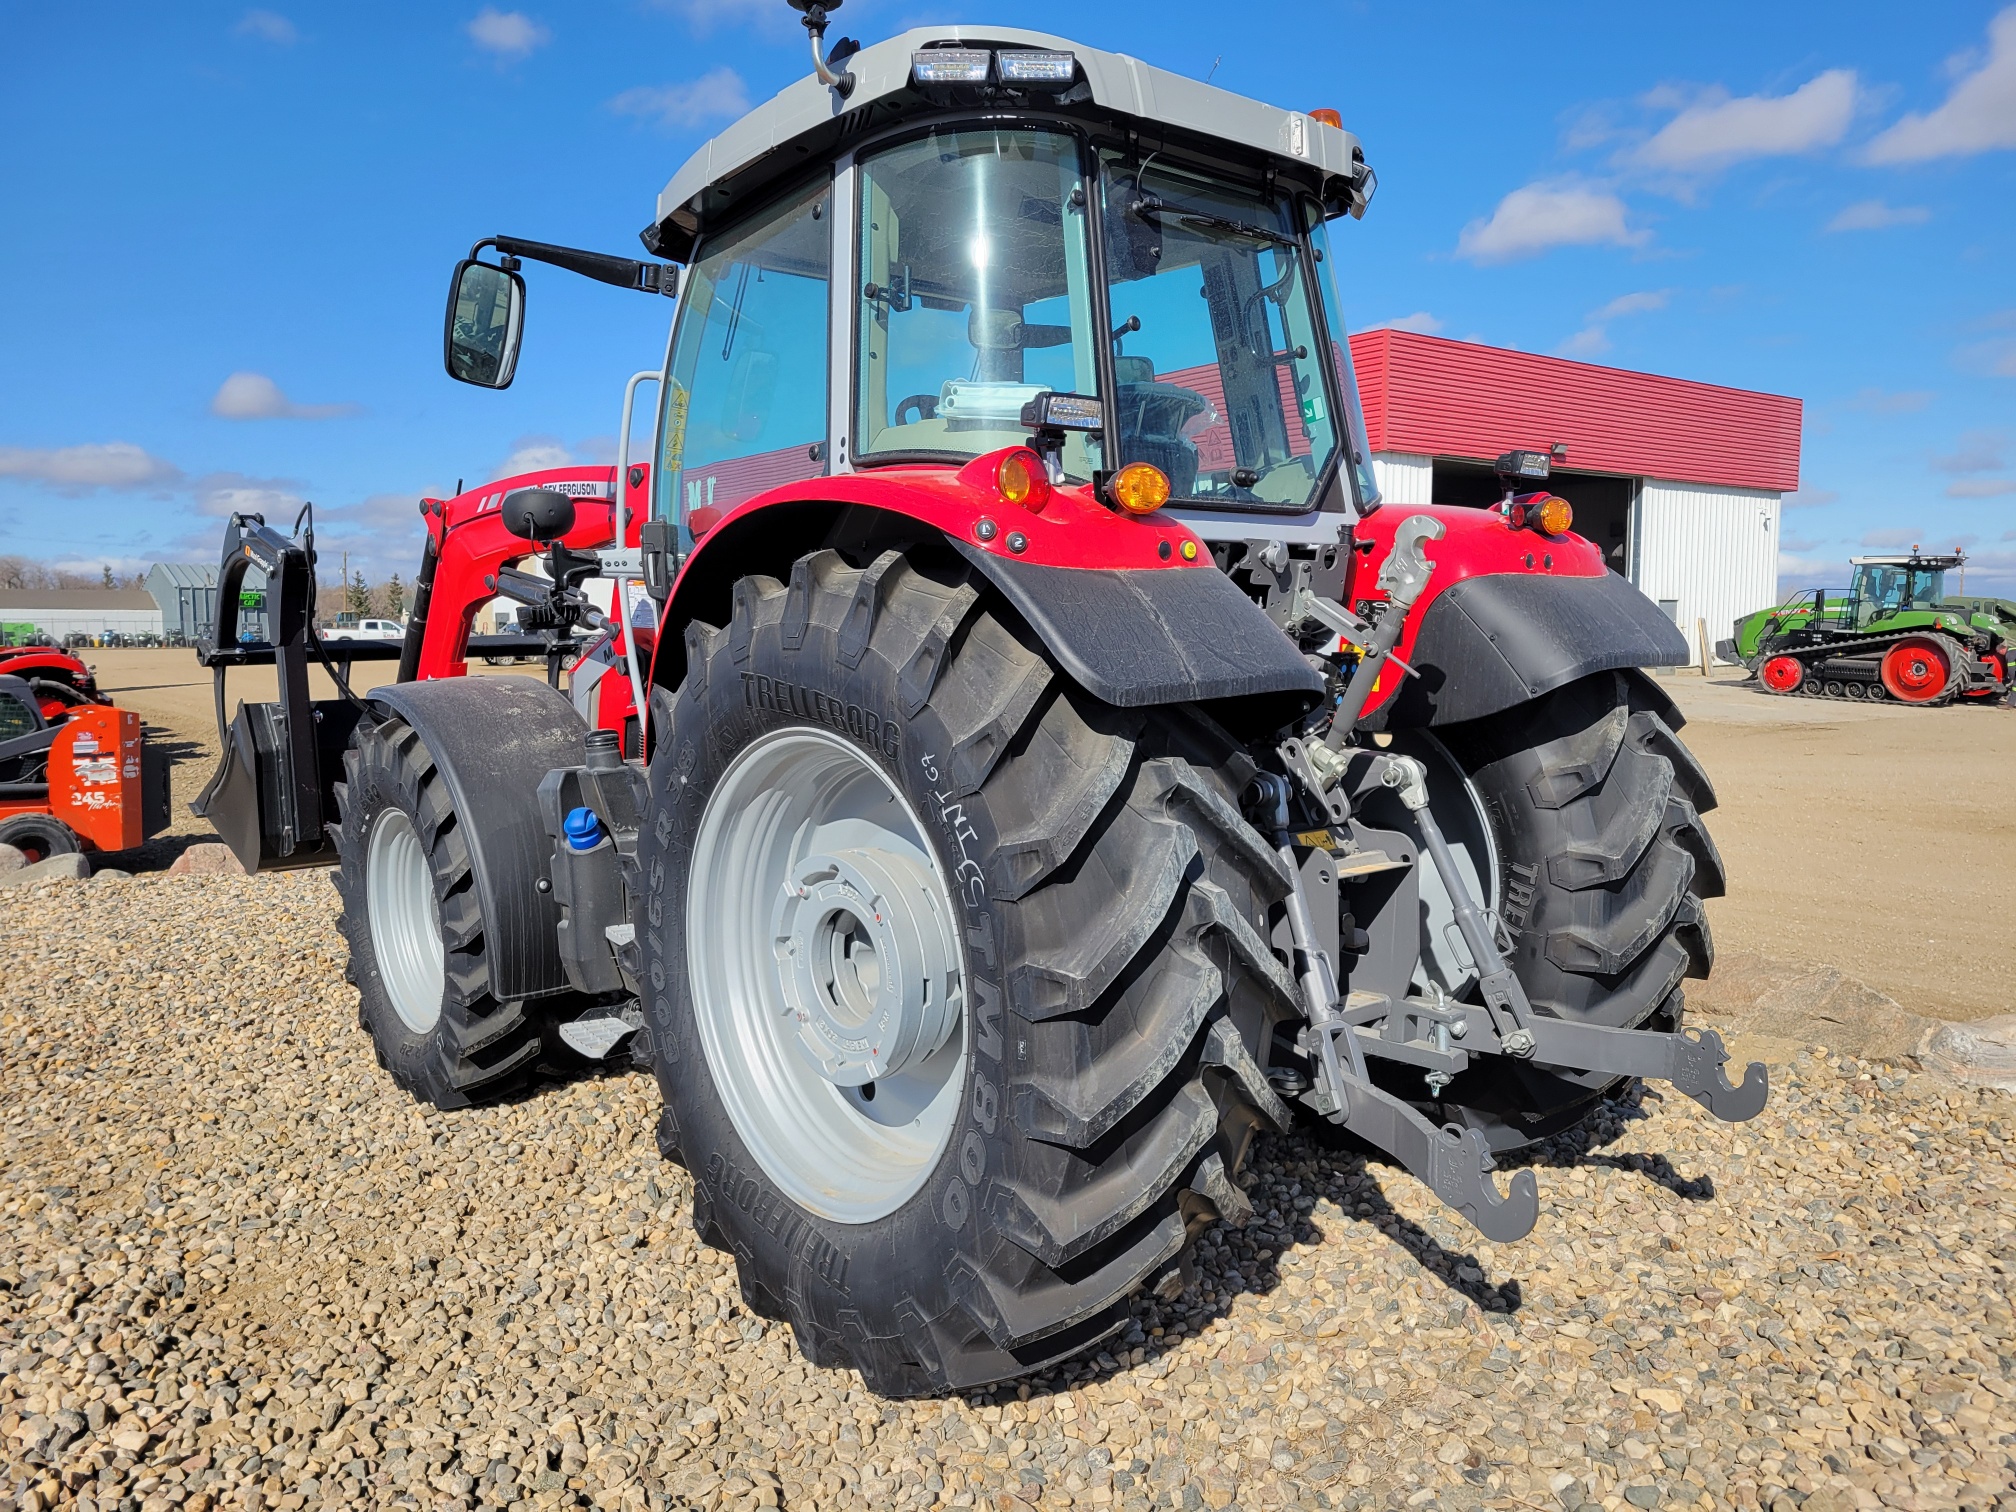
486, 317
537, 514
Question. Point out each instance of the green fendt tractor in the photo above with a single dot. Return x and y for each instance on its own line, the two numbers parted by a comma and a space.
1893, 635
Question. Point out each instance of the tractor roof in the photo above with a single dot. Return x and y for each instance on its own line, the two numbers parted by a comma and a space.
1913, 559
807, 122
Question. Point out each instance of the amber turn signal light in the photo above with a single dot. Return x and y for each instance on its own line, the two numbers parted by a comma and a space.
1552, 515
1139, 488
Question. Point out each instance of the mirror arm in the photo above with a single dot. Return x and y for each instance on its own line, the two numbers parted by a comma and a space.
623, 272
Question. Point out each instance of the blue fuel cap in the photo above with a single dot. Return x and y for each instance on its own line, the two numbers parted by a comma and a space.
583, 829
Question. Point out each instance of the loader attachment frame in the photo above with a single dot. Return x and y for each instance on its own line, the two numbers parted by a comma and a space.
272, 798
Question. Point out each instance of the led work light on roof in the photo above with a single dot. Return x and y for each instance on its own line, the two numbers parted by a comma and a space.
951, 65
1036, 67
973, 65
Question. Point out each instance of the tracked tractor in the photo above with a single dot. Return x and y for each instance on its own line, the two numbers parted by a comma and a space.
1009, 757
1893, 636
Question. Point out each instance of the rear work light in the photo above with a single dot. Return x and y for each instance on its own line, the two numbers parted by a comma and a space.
1139, 488
1036, 67
1533, 466
1020, 479
951, 65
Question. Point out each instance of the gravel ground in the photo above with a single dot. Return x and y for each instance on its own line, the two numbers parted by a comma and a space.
238, 1269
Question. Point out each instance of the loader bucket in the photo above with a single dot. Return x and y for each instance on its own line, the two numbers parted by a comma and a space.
255, 801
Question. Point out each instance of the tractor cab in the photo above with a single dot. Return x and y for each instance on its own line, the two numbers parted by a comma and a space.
985, 217
1889, 585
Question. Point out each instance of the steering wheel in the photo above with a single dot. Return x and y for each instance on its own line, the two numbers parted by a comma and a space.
926, 406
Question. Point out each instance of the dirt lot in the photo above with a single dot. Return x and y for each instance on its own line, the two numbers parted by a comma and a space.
1880, 842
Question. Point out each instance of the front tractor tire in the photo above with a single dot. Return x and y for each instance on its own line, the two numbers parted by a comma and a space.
416, 931
1595, 807
955, 975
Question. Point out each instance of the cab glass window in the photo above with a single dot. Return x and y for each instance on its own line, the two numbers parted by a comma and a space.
745, 409
1218, 338
976, 294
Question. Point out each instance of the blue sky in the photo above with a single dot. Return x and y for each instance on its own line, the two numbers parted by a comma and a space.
230, 231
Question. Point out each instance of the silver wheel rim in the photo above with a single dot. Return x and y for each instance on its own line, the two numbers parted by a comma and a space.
405, 920
1459, 810
827, 982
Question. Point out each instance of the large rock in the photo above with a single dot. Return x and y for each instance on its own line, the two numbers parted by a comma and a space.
1983, 1052
70, 868
12, 858
210, 860
1808, 1005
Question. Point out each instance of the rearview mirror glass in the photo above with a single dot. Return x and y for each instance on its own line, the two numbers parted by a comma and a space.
486, 315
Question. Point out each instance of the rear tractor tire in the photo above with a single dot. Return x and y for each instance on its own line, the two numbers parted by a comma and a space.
416, 931
1595, 807
956, 976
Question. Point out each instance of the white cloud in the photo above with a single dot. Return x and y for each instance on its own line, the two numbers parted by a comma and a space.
1980, 488
508, 34
1874, 215
705, 15
1978, 451
267, 26
1642, 303
1809, 498
1590, 341
1979, 115
1715, 130
1528, 221
122, 566
1420, 321
254, 396
1893, 540
1997, 355
1879, 402
1809, 571
227, 493
108, 464
530, 454
717, 94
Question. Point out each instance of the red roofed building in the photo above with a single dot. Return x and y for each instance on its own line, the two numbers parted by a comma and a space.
1679, 482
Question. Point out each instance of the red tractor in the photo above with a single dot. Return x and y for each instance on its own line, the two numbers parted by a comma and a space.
1035, 762
59, 680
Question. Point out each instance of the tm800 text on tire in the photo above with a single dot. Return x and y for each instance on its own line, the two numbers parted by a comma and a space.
955, 975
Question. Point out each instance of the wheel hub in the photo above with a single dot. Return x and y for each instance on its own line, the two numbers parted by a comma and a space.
866, 962
827, 983
405, 920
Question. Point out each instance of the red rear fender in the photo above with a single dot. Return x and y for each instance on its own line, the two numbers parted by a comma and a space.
1508, 614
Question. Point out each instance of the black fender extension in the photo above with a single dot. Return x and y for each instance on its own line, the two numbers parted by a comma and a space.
1487, 643
493, 740
1142, 636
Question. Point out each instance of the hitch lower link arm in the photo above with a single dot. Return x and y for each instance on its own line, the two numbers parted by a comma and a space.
1692, 1064
1454, 1162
